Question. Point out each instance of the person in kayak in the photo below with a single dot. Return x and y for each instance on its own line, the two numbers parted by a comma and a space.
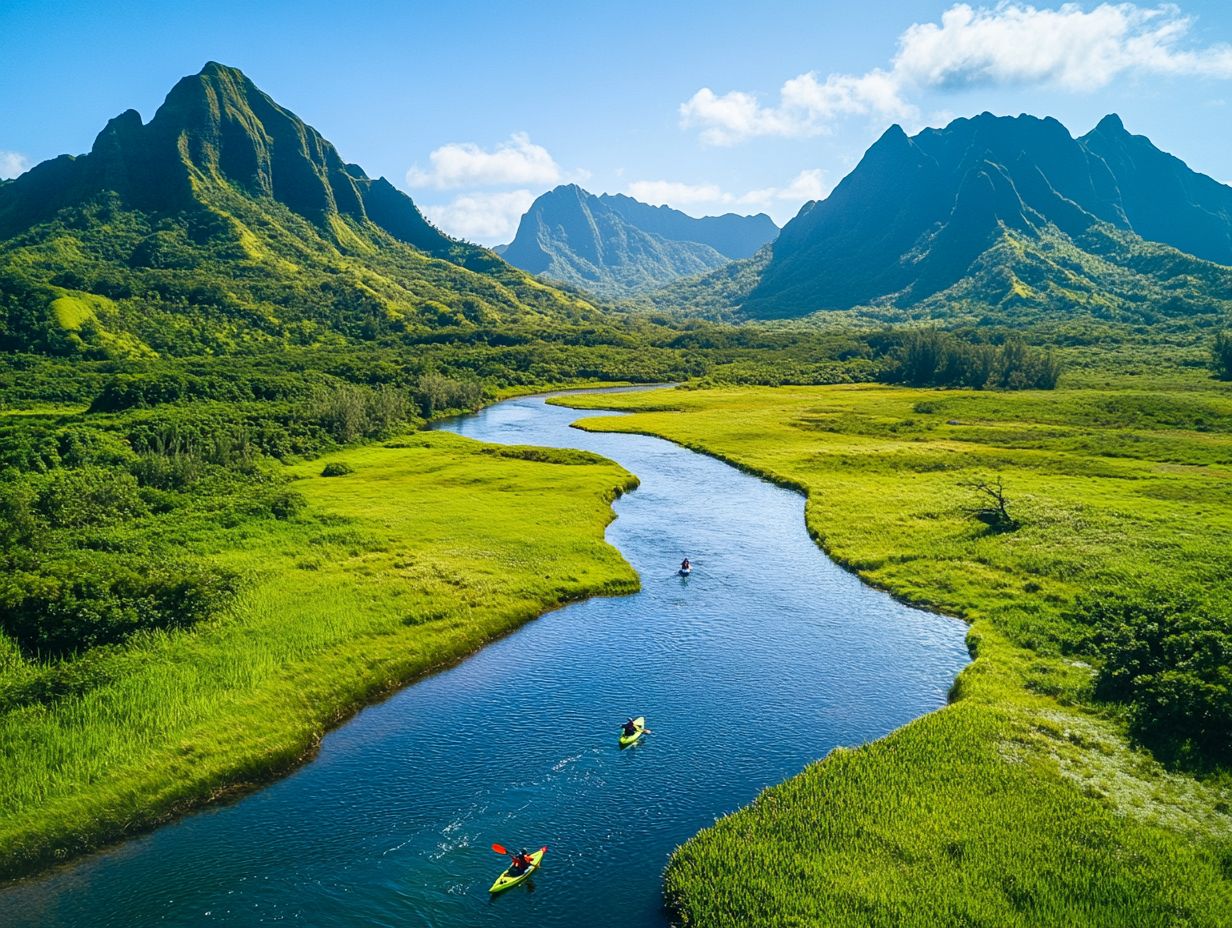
685, 565
521, 862
629, 728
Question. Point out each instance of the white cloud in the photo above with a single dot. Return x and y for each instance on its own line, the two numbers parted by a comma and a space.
673, 193
707, 199
1066, 48
12, 163
488, 218
464, 164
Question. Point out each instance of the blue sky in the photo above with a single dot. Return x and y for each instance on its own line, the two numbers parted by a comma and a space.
476, 108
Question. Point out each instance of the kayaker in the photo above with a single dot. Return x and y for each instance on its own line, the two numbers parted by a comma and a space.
685, 565
520, 862
630, 728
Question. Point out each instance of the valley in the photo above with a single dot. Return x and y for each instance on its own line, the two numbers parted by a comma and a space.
279, 501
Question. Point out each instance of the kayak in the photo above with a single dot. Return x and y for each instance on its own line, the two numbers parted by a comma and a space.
685, 571
508, 880
639, 724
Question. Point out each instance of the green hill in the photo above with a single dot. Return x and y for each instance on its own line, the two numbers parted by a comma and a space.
226, 221
616, 246
1008, 218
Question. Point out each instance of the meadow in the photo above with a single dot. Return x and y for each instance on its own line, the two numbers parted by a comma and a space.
420, 549
1040, 795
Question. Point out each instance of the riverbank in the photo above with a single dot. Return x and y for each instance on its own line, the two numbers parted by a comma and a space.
1024, 802
430, 547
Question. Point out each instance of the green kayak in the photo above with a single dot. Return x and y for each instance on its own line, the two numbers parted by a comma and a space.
509, 879
639, 725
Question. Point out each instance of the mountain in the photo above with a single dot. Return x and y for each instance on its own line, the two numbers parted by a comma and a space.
1012, 215
614, 245
226, 220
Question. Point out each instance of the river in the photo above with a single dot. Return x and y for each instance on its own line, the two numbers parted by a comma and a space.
763, 660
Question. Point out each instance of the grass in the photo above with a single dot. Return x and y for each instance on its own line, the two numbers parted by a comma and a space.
1023, 803
431, 547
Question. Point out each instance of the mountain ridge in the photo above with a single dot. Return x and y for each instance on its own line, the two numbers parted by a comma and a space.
615, 246
227, 220
921, 217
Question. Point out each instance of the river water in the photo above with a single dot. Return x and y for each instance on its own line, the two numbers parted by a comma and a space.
763, 660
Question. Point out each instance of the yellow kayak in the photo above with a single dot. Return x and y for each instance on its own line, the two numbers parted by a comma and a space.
639, 725
509, 879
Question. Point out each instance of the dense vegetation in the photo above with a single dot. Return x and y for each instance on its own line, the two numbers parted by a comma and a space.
1167, 655
1059, 787
929, 358
183, 613
1221, 355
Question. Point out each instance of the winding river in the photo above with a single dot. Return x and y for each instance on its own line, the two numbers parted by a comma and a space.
764, 659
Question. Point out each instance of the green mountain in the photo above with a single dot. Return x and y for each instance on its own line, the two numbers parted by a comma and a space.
226, 221
616, 246
1008, 216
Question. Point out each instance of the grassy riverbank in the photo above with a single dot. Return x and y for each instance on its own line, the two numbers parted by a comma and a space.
1025, 802
431, 546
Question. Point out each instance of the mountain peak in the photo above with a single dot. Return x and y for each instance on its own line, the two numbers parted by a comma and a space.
1110, 125
616, 245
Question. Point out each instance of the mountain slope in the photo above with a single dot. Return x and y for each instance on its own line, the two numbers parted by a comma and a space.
731, 235
616, 246
227, 220
1005, 214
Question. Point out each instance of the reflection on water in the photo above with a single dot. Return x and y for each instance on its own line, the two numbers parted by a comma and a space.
762, 660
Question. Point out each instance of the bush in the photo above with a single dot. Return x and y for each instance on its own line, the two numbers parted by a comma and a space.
1169, 658
337, 469
90, 496
80, 605
287, 504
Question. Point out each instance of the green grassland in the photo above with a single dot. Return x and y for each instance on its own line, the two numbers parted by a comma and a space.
1027, 801
429, 547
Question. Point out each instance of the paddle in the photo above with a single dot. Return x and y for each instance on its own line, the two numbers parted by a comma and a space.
501, 850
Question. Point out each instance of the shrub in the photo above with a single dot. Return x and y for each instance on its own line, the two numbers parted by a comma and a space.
1169, 658
90, 496
79, 605
287, 504
337, 469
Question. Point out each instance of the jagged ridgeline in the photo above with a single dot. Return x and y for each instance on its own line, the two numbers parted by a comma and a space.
226, 221
616, 246
1008, 218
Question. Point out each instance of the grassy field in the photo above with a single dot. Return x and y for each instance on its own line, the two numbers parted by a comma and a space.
430, 547
1024, 802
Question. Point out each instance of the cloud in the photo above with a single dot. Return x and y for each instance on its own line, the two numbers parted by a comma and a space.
517, 160
1011, 44
674, 193
780, 202
488, 218
12, 163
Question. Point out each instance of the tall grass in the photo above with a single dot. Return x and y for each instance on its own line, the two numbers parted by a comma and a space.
1024, 802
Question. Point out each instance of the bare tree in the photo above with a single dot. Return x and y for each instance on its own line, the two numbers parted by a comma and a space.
994, 504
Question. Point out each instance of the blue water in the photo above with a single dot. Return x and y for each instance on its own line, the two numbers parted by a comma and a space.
764, 659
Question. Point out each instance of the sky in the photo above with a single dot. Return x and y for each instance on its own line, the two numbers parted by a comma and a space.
475, 109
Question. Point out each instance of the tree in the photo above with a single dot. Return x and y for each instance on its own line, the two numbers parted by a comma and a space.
1221, 355
993, 509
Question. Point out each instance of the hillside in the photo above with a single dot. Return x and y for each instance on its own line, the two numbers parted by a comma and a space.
615, 246
226, 221
1009, 217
